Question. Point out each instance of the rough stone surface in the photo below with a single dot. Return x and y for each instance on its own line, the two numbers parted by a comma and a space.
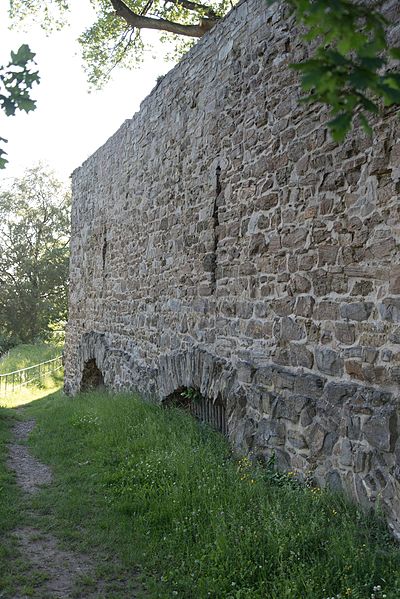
222, 241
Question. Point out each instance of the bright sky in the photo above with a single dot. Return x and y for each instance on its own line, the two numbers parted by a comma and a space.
69, 123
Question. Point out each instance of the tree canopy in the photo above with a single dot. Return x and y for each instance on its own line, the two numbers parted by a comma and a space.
34, 239
352, 69
116, 35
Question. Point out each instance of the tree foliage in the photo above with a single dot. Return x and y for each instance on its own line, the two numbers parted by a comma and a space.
34, 238
16, 81
116, 35
352, 69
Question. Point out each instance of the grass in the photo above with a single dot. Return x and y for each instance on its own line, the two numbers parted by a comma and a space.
15, 572
14, 507
26, 355
152, 489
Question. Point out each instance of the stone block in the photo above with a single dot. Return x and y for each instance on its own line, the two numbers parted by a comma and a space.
334, 481
307, 261
327, 254
310, 385
362, 288
326, 310
329, 361
322, 282
389, 309
301, 284
284, 379
264, 376
284, 306
245, 372
355, 369
381, 431
394, 336
304, 306
297, 440
291, 330
356, 311
337, 394
290, 407
270, 433
307, 415
345, 333
244, 310
301, 356
317, 439
346, 455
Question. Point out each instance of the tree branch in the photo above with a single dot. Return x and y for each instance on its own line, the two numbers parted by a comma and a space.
197, 7
141, 22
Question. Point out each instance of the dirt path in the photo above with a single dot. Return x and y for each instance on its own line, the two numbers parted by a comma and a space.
60, 572
30, 473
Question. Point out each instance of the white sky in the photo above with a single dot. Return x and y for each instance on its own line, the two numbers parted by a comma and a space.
69, 123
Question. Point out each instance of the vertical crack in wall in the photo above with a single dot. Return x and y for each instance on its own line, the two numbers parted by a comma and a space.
215, 225
104, 251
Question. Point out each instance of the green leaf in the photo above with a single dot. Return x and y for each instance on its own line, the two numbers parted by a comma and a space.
365, 125
361, 78
368, 104
340, 126
372, 63
22, 56
3, 161
8, 106
395, 53
26, 104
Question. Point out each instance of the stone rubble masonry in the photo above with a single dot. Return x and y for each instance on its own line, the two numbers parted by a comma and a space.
221, 240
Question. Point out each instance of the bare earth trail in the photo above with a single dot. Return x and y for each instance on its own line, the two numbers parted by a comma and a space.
60, 572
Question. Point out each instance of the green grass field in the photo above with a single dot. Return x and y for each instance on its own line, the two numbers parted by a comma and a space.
152, 493
24, 356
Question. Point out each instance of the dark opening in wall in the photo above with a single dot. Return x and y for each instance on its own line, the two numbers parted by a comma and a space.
204, 409
92, 377
212, 259
104, 250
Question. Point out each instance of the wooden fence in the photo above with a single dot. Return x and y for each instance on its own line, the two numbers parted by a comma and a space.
13, 381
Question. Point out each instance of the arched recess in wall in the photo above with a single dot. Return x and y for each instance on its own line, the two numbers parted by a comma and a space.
93, 356
200, 382
92, 377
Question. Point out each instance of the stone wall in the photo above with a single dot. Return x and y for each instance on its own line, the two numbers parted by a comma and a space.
222, 241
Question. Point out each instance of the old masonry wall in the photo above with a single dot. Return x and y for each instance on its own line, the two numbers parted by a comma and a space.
222, 241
